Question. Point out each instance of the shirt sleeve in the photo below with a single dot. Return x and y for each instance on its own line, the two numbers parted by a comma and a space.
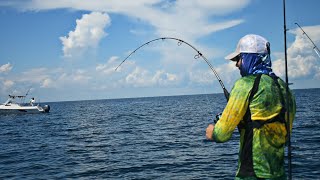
234, 111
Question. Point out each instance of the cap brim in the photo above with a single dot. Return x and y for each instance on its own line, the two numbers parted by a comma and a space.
232, 56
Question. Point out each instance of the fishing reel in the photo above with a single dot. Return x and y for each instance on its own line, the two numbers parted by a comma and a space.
218, 116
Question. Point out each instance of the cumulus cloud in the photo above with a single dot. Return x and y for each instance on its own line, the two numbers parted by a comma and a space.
50, 78
87, 34
302, 59
76, 78
228, 72
5, 68
109, 67
81, 76
35, 75
7, 84
140, 77
163, 78
47, 83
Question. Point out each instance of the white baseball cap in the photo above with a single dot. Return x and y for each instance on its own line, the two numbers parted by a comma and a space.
250, 43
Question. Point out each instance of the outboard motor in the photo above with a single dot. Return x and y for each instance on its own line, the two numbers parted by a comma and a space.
46, 108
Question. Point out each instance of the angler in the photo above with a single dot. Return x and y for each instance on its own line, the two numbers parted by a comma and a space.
258, 106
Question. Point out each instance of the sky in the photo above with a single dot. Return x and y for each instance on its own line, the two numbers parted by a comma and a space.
66, 50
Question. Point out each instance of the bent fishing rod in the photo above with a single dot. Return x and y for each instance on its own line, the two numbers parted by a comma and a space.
315, 48
199, 54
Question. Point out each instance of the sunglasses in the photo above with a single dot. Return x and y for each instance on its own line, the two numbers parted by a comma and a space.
237, 58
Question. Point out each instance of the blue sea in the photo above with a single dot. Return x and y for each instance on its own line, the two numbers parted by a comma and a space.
140, 138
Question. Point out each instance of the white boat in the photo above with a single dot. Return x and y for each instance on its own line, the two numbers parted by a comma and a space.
15, 104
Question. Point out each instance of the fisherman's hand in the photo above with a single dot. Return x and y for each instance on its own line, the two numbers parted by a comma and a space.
209, 132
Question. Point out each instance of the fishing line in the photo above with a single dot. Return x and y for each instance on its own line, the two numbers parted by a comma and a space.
208, 107
198, 55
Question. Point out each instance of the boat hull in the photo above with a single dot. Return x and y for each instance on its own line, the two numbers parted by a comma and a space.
14, 108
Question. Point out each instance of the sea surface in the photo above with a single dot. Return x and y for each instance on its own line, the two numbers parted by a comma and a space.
140, 138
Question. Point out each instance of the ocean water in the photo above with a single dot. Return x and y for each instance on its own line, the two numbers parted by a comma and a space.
140, 138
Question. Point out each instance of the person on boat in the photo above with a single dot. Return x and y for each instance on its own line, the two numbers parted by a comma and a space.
257, 106
32, 101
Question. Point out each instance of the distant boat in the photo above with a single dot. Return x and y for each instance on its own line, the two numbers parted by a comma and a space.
15, 104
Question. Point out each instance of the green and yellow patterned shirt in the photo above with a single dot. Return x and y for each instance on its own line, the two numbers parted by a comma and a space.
269, 140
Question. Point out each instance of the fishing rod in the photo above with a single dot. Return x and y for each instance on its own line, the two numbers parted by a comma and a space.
287, 92
199, 54
28, 91
315, 48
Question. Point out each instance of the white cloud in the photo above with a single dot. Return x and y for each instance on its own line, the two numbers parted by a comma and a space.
76, 78
109, 67
302, 60
197, 22
5, 87
140, 77
202, 77
190, 19
47, 83
163, 78
81, 76
5, 68
111, 5
228, 72
87, 34
8, 84
35, 75
52, 78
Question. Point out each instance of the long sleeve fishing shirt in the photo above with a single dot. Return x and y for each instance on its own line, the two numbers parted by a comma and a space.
268, 141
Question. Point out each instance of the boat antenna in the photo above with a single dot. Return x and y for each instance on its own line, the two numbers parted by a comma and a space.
315, 48
198, 55
287, 93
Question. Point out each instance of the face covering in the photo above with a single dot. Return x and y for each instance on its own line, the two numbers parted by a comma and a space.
253, 63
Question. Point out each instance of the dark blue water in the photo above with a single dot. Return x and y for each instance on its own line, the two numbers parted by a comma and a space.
140, 138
